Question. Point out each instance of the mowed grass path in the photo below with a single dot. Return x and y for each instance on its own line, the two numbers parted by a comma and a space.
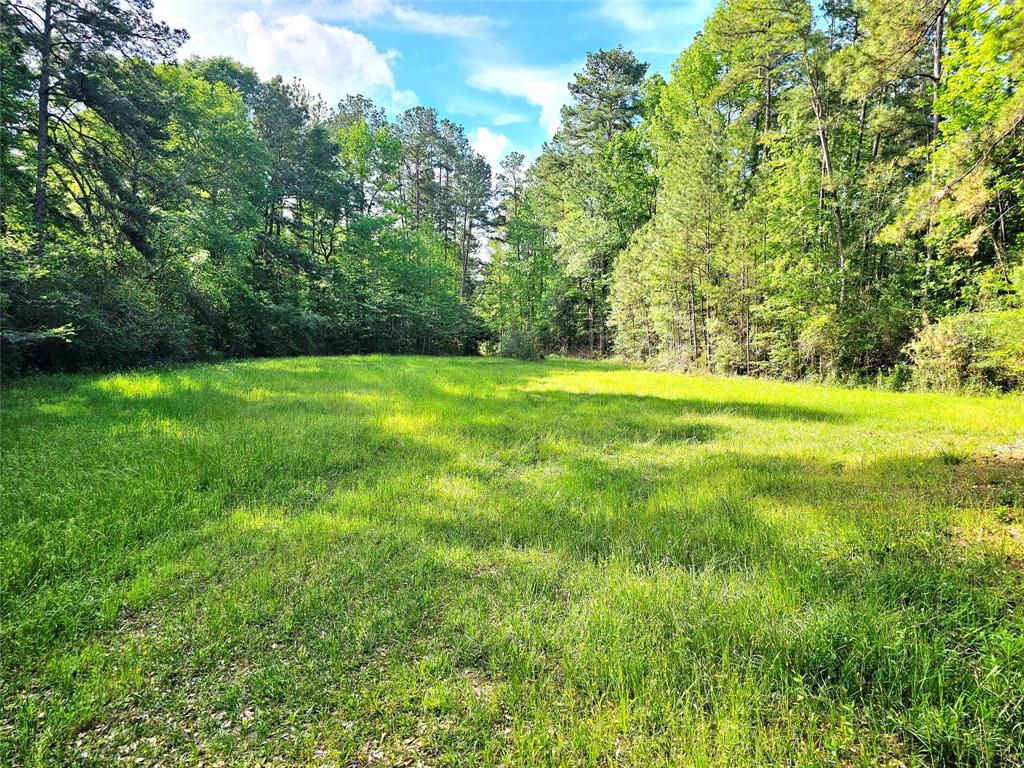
402, 561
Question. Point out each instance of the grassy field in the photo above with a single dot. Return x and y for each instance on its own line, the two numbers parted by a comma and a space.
405, 561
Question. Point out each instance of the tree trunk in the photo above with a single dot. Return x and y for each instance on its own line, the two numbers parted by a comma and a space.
860, 133
693, 319
466, 231
746, 342
43, 128
590, 319
826, 162
937, 69
936, 82
997, 231
705, 316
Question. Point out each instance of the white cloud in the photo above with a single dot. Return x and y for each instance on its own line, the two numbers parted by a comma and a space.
402, 100
407, 16
545, 88
472, 105
629, 13
489, 144
331, 59
355, 10
509, 118
439, 24
658, 26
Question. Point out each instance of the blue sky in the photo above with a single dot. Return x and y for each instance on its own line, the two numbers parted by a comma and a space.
498, 68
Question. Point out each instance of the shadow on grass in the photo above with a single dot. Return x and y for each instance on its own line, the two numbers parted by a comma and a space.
599, 503
362, 511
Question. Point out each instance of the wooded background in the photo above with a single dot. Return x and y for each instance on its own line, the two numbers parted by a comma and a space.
827, 190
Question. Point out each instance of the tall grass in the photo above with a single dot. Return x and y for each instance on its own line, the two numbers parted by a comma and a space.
483, 562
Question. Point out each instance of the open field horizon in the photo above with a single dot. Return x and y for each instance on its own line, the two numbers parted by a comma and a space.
473, 561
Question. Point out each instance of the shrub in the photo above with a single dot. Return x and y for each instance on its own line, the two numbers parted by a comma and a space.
974, 350
897, 378
521, 345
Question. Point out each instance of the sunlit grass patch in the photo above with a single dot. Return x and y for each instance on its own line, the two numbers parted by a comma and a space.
455, 561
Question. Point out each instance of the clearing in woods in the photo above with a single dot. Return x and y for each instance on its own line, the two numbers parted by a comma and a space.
401, 561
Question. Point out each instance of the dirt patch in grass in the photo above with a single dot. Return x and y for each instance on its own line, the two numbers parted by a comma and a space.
396, 752
989, 488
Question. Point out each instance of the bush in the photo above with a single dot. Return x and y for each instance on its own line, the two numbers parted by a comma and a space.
521, 345
897, 378
977, 350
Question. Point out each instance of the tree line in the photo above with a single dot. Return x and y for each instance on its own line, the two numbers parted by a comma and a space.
160, 211
815, 189
819, 188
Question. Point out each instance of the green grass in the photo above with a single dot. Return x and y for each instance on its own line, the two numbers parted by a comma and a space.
471, 562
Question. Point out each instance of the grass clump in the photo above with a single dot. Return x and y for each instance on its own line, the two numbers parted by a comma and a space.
484, 562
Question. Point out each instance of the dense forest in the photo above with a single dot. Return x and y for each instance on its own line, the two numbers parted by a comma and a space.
819, 189
830, 192
183, 211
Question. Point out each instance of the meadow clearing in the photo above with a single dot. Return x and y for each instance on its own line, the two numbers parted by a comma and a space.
445, 561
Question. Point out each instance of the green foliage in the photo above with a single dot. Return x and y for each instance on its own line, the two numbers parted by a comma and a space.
520, 345
811, 181
193, 211
975, 350
590, 190
520, 283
